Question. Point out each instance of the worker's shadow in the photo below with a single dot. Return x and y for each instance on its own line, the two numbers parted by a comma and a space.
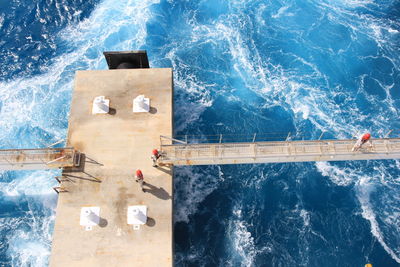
156, 191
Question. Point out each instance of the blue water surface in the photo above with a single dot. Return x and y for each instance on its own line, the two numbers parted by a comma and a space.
240, 67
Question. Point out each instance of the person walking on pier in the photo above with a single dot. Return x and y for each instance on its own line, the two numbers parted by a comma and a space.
365, 138
140, 179
154, 157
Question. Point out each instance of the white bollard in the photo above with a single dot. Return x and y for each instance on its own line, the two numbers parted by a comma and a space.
100, 105
92, 217
138, 215
140, 101
141, 104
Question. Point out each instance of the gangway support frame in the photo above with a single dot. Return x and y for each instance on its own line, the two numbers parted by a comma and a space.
38, 158
179, 153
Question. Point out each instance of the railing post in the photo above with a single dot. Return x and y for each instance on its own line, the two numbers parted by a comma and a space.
387, 135
288, 136
332, 145
56, 143
386, 145
220, 138
254, 137
321, 135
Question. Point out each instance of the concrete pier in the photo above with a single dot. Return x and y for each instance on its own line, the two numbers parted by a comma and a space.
115, 145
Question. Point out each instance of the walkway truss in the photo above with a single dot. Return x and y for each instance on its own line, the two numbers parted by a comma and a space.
41, 158
178, 152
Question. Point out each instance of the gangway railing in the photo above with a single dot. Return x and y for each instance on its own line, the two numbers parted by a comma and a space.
41, 158
181, 153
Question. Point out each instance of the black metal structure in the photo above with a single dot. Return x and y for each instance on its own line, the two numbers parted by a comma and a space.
127, 59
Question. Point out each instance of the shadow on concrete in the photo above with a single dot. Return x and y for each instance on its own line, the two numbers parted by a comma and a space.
156, 191
103, 222
89, 177
165, 170
153, 110
112, 111
79, 168
150, 222
90, 160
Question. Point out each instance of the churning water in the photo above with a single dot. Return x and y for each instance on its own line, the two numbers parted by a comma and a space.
240, 67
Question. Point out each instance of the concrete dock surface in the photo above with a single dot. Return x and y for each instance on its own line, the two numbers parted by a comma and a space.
114, 146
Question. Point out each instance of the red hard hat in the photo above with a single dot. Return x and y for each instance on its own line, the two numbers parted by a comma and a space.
139, 173
366, 136
155, 152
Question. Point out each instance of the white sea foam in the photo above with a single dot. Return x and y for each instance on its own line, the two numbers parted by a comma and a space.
241, 238
339, 176
30, 183
31, 230
27, 250
192, 186
305, 216
1, 21
364, 186
26, 101
364, 189
34, 110
281, 12
313, 103
112, 25
192, 88
271, 83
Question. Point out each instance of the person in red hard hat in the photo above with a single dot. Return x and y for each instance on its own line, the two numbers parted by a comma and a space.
140, 179
154, 157
365, 138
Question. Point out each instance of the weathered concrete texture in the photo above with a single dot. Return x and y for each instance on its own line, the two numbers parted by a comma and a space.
115, 145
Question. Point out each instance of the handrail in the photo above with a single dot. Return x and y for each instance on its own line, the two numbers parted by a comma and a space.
277, 151
37, 158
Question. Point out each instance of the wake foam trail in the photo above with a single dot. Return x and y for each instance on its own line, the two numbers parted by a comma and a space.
191, 186
383, 212
309, 96
242, 240
27, 102
333, 108
339, 176
192, 94
34, 113
364, 190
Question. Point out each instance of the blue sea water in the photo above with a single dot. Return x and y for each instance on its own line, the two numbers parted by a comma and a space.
240, 67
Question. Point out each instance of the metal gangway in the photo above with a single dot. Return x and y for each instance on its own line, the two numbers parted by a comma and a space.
38, 158
178, 152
